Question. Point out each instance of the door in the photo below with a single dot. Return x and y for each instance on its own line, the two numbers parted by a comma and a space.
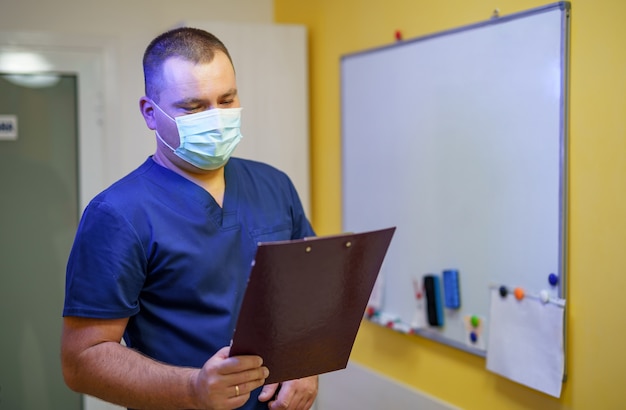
39, 207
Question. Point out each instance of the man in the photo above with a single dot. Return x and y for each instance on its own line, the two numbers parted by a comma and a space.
161, 257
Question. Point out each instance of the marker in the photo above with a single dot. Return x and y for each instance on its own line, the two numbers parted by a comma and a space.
417, 290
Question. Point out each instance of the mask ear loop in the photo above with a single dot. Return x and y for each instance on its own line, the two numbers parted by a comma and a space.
157, 132
160, 109
163, 141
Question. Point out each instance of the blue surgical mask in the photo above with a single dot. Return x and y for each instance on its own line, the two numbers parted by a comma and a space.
207, 138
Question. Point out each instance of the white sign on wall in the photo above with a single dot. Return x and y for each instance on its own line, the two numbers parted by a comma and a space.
8, 127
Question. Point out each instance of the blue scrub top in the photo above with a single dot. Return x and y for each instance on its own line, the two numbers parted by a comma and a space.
157, 248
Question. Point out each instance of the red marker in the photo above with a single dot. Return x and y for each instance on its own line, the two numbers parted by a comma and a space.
417, 290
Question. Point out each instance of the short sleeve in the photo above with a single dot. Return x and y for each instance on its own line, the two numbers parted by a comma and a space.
107, 266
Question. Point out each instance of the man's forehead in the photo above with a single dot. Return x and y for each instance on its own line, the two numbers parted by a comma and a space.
185, 80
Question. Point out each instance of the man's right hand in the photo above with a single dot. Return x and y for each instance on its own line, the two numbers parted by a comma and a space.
226, 382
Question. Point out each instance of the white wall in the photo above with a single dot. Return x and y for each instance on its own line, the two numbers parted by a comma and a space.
124, 29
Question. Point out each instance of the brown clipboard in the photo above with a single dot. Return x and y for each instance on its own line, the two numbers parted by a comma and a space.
305, 300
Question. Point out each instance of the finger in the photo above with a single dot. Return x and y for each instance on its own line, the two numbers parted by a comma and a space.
285, 397
268, 392
238, 391
223, 352
238, 364
237, 397
245, 382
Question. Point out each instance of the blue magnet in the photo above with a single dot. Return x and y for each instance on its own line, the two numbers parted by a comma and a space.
503, 291
553, 279
451, 293
473, 337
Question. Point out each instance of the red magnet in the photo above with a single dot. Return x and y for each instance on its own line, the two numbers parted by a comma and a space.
398, 35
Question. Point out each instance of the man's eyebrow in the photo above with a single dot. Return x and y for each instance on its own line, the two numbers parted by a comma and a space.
187, 101
196, 101
230, 93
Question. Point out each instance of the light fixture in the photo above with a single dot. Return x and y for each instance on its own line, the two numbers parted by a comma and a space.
28, 69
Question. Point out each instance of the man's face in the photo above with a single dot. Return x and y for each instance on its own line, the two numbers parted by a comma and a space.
189, 88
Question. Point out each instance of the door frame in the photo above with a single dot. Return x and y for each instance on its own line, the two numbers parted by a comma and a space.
90, 59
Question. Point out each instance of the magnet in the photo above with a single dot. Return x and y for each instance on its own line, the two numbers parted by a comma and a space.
519, 293
553, 279
544, 296
451, 292
475, 321
503, 291
398, 35
473, 337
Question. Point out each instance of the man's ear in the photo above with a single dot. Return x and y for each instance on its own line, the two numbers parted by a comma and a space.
146, 106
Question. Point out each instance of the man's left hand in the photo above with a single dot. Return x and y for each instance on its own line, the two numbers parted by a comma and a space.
296, 394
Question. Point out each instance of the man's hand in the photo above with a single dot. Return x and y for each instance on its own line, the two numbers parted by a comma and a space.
226, 382
296, 394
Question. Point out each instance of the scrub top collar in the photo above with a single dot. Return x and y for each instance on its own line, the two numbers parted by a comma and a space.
225, 216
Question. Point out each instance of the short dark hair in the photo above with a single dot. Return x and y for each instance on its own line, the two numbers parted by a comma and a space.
189, 43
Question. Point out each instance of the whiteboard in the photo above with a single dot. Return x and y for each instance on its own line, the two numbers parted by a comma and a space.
459, 139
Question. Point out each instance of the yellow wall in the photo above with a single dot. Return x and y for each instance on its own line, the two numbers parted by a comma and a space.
596, 335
